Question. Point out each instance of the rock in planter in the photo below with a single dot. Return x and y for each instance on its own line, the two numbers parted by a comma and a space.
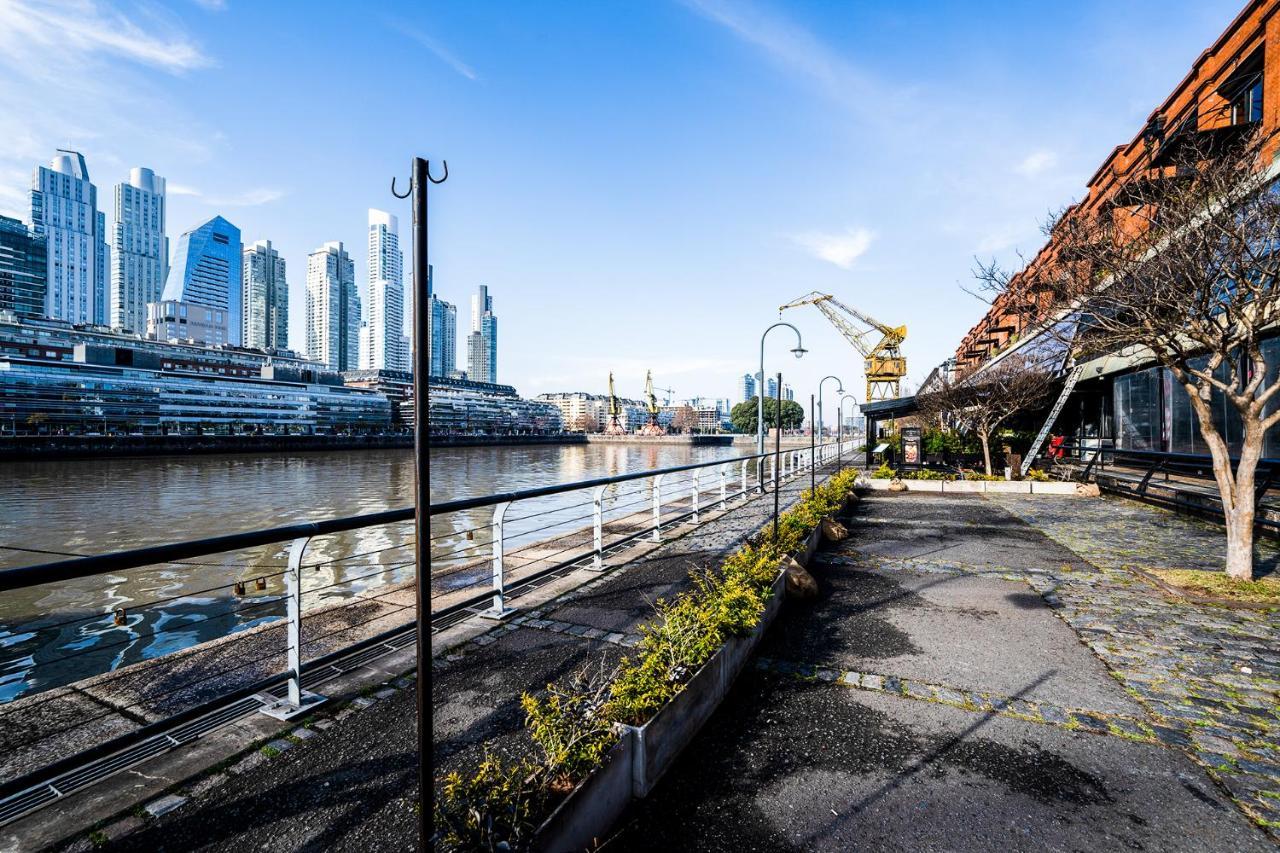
834, 531
896, 485
1087, 490
800, 584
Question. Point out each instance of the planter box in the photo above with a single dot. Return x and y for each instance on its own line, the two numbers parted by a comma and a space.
967, 486
1054, 487
657, 744
592, 807
925, 485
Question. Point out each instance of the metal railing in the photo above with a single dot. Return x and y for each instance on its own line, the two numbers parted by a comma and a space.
667, 497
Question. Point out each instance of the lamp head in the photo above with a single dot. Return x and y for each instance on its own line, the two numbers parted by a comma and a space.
799, 351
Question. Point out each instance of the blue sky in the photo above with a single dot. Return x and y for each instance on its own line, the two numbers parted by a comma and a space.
639, 184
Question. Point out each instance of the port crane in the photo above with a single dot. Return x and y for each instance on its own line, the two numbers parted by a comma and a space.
653, 427
885, 365
614, 427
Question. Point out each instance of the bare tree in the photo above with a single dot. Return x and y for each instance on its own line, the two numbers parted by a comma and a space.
985, 400
1182, 265
586, 423
685, 420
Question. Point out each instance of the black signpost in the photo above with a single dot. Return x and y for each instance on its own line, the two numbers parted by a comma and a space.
912, 449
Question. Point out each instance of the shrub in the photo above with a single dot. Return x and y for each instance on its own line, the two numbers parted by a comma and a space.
570, 727
1038, 475
926, 474
884, 472
495, 808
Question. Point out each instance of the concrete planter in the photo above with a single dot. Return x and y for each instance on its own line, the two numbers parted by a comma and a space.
658, 743
582, 819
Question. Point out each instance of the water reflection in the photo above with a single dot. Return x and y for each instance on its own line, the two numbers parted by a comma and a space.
58, 633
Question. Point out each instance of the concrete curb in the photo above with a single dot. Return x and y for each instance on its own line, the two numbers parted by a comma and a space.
1008, 487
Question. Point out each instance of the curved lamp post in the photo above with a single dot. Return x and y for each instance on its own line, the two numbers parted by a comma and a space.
799, 350
840, 422
839, 390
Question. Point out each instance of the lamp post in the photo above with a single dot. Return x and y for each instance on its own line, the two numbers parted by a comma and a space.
840, 427
798, 351
839, 390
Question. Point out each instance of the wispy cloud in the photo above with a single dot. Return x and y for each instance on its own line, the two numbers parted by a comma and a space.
441, 52
213, 5
1036, 163
39, 38
841, 248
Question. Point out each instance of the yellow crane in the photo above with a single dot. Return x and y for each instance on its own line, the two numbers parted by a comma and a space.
885, 364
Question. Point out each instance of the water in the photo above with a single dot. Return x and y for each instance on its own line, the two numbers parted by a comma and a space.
58, 633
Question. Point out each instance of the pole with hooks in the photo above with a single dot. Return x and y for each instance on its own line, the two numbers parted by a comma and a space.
420, 181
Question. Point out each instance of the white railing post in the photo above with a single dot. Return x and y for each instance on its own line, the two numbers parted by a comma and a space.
724, 491
657, 508
297, 701
597, 498
498, 610
697, 485
745, 496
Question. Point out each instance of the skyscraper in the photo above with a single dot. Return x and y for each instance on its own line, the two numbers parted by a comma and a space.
266, 298
141, 249
23, 269
206, 271
747, 388
482, 343
333, 308
64, 211
383, 347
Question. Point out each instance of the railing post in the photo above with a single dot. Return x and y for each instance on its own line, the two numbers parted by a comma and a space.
498, 610
597, 498
744, 480
657, 508
724, 490
297, 700
697, 485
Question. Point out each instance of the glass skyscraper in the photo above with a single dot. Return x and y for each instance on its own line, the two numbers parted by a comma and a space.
64, 211
266, 298
23, 269
141, 249
333, 308
206, 271
482, 343
385, 346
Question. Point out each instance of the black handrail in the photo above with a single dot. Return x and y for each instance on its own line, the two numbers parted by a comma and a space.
80, 567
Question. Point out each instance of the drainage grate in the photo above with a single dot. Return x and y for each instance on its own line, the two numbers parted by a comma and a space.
24, 802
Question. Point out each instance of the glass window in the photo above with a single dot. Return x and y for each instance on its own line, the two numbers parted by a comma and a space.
1138, 410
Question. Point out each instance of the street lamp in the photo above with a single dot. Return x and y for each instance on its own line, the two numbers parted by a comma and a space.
798, 351
840, 425
839, 390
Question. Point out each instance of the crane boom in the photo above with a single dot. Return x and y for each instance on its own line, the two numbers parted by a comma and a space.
884, 363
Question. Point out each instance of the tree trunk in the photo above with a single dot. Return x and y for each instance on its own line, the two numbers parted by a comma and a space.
986, 451
1243, 509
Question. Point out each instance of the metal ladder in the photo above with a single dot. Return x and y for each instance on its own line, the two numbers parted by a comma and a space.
1072, 378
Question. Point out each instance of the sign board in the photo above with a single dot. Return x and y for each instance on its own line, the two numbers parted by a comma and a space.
881, 448
912, 450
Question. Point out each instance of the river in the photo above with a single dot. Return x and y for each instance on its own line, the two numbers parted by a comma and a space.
58, 633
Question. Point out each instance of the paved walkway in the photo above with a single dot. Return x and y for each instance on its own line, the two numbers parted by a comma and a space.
937, 695
349, 783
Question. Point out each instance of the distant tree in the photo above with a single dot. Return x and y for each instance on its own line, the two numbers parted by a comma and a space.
982, 402
685, 420
743, 415
585, 423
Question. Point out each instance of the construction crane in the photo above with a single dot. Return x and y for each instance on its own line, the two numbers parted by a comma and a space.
653, 427
885, 364
614, 427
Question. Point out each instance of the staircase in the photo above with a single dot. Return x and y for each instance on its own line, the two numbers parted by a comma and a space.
1072, 378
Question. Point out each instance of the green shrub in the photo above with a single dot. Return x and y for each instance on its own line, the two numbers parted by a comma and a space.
926, 474
497, 807
1038, 475
884, 472
571, 729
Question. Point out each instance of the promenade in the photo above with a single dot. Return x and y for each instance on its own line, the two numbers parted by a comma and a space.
978, 673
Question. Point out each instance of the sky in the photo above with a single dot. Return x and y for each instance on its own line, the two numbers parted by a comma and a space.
640, 185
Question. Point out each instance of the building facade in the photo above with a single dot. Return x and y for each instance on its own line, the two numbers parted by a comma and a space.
265, 322
333, 308
746, 388
385, 347
64, 211
206, 271
582, 412
140, 249
186, 322
23, 269
482, 342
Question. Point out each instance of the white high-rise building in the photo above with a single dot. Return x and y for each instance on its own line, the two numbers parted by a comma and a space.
333, 308
383, 347
482, 343
141, 249
64, 211
266, 298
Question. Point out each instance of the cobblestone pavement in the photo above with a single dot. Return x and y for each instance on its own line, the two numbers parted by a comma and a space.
1209, 674
970, 679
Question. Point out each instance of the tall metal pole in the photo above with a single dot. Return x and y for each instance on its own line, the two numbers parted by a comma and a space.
422, 488
777, 453
813, 444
